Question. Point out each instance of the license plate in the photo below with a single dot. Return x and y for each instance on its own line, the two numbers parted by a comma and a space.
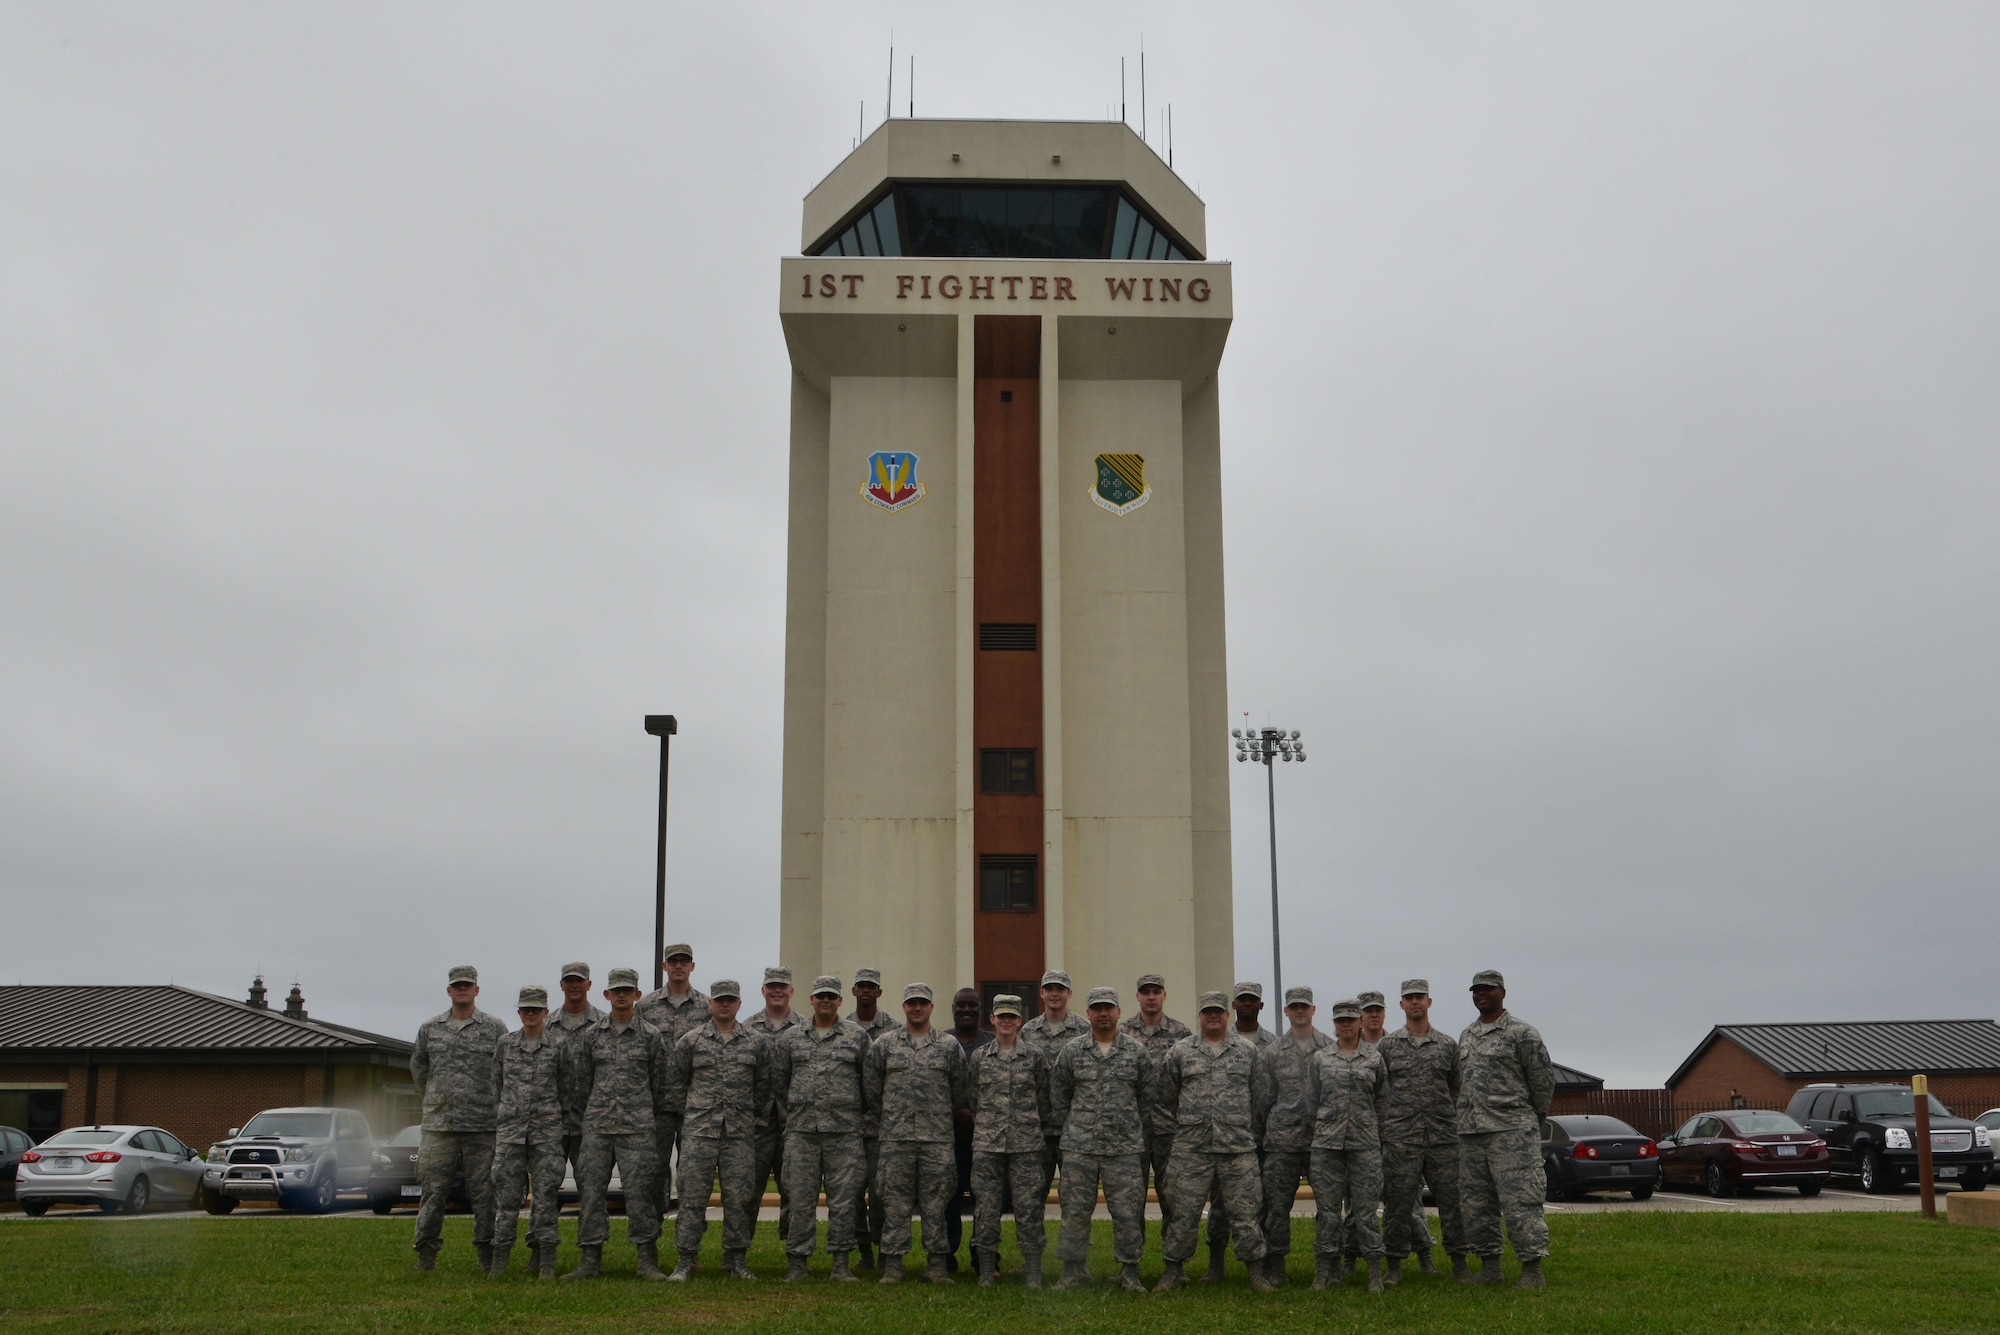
1788, 1151
63, 1165
1620, 1168
413, 1189
1947, 1172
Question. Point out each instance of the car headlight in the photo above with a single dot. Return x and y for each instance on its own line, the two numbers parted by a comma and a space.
216, 1154
1981, 1136
298, 1154
1895, 1138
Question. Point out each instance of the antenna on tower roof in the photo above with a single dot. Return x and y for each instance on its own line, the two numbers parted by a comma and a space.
1170, 136
889, 98
1121, 91
1142, 87
913, 85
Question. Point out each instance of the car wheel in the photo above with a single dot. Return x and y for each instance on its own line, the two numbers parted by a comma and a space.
216, 1203
325, 1193
34, 1209
1973, 1182
136, 1200
1875, 1176
1809, 1188
1642, 1193
380, 1202
1718, 1186
1553, 1179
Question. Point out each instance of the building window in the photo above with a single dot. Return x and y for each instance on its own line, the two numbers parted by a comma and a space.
1020, 222
1007, 882
1007, 771
1017, 636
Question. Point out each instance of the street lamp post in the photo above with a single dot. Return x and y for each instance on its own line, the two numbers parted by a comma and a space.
663, 727
1267, 745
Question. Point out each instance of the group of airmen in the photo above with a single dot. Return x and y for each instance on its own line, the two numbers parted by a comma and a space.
892, 1119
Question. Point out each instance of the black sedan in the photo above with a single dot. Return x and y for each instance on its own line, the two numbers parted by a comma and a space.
1735, 1149
1587, 1152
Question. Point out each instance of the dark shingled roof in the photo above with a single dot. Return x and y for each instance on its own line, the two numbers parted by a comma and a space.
170, 1017
1568, 1077
1887, 1048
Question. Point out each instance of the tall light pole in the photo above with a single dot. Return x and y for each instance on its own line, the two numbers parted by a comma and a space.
1267, 745
663, 727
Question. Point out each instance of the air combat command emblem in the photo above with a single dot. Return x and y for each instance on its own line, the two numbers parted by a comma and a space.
892, 480
1121, 483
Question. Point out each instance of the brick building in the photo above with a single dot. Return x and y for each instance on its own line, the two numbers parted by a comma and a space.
191, 1062
1761, 1065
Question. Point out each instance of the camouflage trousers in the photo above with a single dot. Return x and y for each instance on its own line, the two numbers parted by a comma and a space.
771, 1164
637, 1161
1219, 1226
1501, 1178
443, 1156
704, 1161
835, 1163
1159, 1152
868, 1213
666, 1137
1405, 1169
536, 1167
1283, 1171
1232, 1182
916, 1177
1124, 1179
1342, 1179
994, 1175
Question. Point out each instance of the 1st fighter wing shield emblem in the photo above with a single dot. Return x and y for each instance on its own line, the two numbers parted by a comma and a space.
892, 480
1121, 483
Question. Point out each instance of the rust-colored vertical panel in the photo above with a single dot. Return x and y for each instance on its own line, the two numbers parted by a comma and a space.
1007, 587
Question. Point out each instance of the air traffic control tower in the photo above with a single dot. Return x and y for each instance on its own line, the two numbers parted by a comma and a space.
1005, 690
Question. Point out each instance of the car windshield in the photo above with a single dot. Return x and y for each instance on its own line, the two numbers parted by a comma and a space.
310, 1125
81, 1138
1764, 1124
409, 1135
1894, 1103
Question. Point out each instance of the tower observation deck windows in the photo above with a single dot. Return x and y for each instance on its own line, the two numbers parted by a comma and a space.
1011, 222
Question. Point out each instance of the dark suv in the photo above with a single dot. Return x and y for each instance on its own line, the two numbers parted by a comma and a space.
1870, 1132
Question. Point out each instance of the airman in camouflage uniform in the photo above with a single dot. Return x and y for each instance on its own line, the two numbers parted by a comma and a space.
1101, 1094
1156, 1031
1217, 1086
721, 1090
1349, 1089
874, 1022
1505, 1083
673, 1009
1048, 1034
1288, 1125
620, 1063
566, 1022
776, 1017
817, 1077
1374, 1010
531, 1092
918, 1078
453, 1068
1247, 1000
1420, 1136
1010, 1107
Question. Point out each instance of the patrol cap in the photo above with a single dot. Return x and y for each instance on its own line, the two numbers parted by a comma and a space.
1055, 978
918, 992
1348, 1009
1298, 996
1007, 1004
678, 948
534, 998
1368, 999
1488, 978
462, 973
826, 983
577, 969
1103, 996
1416, 987
1249, 990
618, 978
778, 975
868, 976
725, 987
1151, 980
1211, 1001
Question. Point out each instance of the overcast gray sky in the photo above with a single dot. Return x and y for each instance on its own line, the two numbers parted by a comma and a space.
393, 410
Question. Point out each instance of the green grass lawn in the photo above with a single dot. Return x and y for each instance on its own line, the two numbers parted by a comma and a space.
1666, 1272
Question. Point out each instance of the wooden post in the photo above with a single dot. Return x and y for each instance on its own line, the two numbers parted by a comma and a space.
1920, 1102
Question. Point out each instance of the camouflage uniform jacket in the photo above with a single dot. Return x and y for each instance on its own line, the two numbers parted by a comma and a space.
1156, 1041
770, 1029
1102, 1100
883, 1023
1010, 1099
721, 1085
1217, 1099
674, 1016
1423, 1088
1349, 1091
565, 1026
919, 1083
1288, 1122
816, 1076
622, 1073
1505, 1078
531, 1090
453, 1068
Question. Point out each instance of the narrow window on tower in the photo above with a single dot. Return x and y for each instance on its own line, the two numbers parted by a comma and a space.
1007, 882
1007, 771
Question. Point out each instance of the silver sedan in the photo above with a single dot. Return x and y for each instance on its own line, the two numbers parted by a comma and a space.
119, 1169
